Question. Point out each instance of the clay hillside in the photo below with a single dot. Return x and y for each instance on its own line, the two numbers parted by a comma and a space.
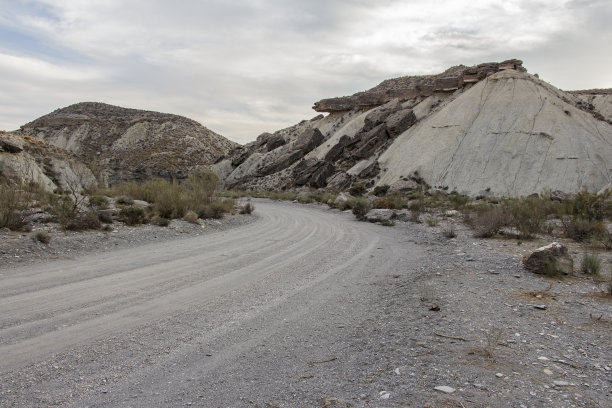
488, 129
130, 144
25, 159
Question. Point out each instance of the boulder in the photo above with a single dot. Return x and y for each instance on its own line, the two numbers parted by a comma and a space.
10, 145
385, 215
342, 198
312, 172
550, 259
398, 122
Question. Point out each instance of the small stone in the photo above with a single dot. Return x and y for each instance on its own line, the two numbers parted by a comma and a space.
542, 358
445, 389
547, 371
499, 375
561, 383
540, 307
397, 371
383, 395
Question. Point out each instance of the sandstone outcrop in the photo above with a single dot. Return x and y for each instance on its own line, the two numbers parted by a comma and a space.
131, 144
406, 88
488, 129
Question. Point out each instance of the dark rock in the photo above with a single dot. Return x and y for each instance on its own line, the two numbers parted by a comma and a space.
274, 142
370, 141
371, 171
336, 151
308, 140
398, 122
312, 172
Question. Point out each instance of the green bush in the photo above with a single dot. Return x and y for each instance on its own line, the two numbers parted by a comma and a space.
132, 215
160, 221
591, 264
588, 206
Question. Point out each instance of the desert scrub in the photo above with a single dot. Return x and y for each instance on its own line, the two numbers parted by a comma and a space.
11, 207
591, 264
160, 221
432, 221
191, 217
98, 202
357, 190
528, 215
380, 191
359, 206
487, 221
247, 208
42, 236
132, 215
393, 201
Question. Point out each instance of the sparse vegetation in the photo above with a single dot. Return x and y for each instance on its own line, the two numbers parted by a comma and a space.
492, 339
132, 215
449, 231
591, 264
42, 236
359, 206
191, 217
357, 190
247, 208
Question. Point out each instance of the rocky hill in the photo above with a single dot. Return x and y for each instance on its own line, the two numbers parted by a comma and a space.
488, 129
131, 144
25, 159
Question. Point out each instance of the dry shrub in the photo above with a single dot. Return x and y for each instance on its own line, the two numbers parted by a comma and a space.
247, 208
488, 221
191, 217
42, 236
393, 201
359, 206
582, 230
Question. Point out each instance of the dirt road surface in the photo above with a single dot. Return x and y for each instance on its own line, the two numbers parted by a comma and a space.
304, 307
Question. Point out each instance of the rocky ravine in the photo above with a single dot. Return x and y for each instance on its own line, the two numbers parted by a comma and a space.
488, 129
130, 144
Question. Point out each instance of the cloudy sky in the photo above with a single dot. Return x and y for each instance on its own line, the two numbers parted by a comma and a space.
248, 66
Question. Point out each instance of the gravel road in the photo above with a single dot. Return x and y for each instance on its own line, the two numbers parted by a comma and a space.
304, 307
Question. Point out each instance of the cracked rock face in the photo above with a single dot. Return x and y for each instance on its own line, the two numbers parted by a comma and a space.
489, 129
